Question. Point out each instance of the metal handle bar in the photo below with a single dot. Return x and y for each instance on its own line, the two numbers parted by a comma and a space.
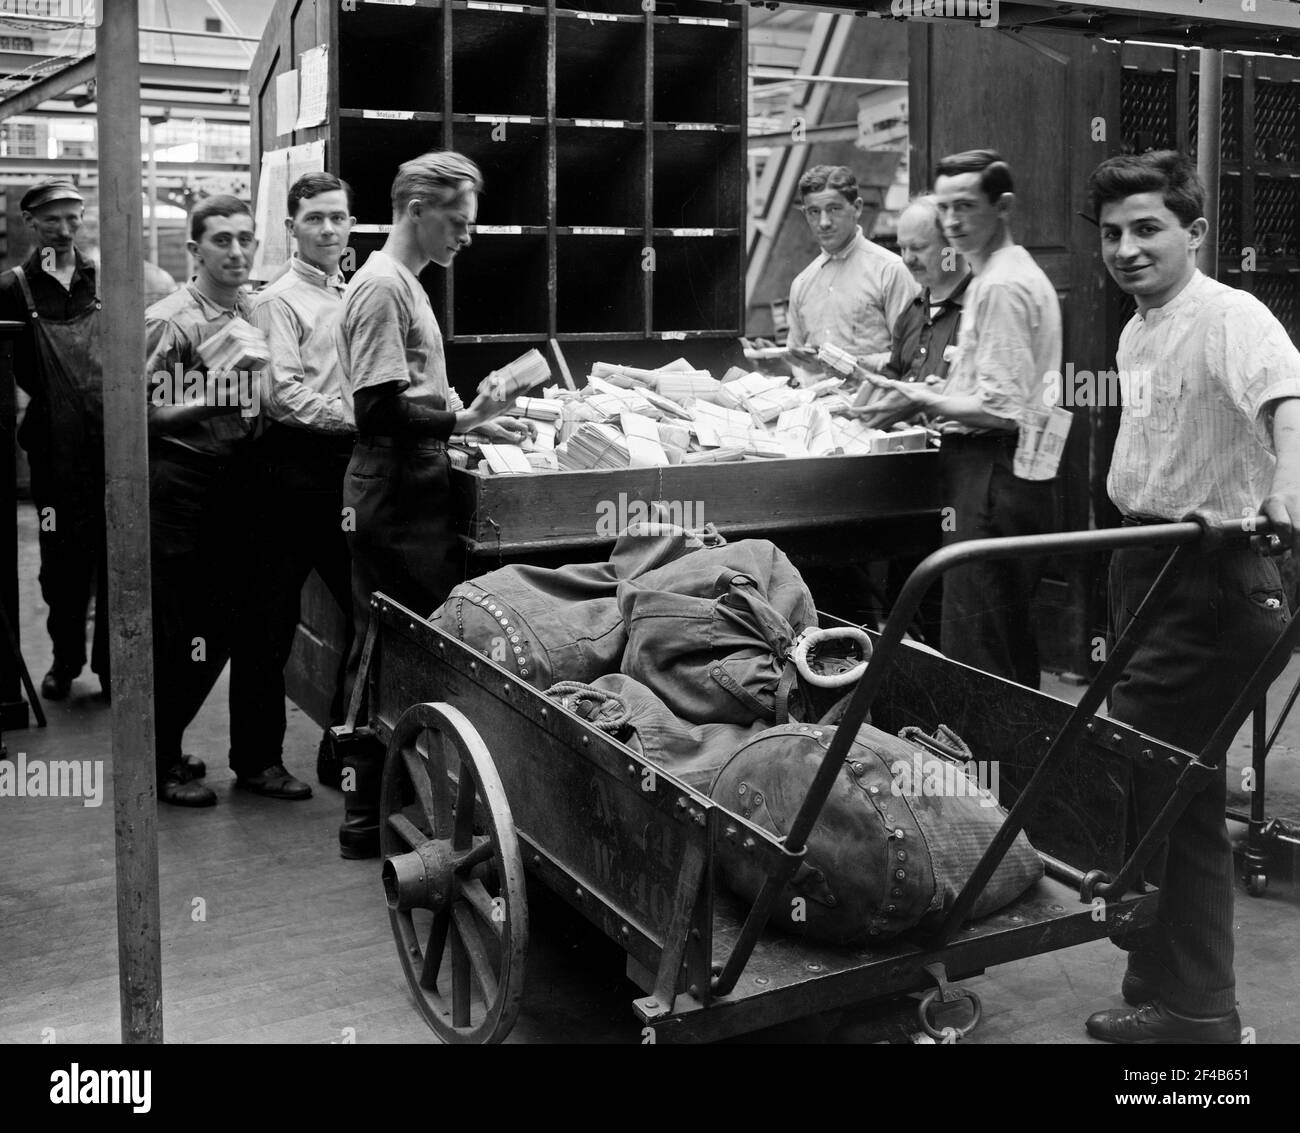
1184, 536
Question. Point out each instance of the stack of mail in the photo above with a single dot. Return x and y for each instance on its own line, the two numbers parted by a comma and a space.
594, 445
517, 377
237, 346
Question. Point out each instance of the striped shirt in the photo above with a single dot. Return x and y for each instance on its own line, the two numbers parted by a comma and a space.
174, 328
1203, 372
1010, 337
851, 299
300, 313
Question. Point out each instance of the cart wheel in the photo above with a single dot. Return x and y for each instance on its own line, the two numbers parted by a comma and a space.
453, 876
1256, 884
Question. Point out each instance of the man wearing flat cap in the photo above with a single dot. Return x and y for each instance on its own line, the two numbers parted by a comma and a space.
57, 363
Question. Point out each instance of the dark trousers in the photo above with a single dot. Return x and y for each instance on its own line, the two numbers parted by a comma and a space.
74, 558
295, 526
987, 611
404, 543
1206, 641
195, 511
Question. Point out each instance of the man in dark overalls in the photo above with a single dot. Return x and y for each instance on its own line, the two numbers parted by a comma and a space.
56, 362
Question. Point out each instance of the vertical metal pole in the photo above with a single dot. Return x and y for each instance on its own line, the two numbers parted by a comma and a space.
1209, 157
153, 194
135, 806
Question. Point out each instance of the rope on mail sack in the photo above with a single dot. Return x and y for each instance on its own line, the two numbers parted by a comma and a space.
608, 711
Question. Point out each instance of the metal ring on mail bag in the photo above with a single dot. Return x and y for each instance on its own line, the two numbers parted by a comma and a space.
927, 1001
811, 637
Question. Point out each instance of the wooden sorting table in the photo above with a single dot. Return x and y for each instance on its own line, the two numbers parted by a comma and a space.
822, 511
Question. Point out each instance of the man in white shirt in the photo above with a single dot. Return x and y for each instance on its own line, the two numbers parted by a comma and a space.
296, 471
1217, 433
1009, 339
854, 292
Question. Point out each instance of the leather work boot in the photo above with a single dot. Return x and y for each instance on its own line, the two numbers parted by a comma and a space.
274, 782
1155, 1023
178, 787
363, 765
57, 683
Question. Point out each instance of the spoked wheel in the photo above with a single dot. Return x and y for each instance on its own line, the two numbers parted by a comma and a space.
453, 876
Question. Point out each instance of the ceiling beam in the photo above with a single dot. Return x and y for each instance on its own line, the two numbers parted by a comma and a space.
42, 90
182, 75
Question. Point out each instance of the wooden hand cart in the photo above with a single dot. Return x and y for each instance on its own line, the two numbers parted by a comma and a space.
486, 778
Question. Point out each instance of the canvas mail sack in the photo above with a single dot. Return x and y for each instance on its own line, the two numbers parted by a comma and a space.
891, 849
711, 633
691, 752
552, 625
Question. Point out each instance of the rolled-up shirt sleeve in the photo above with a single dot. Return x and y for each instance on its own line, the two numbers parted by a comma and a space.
1005, 370
1260, 364
375, 324
286, 396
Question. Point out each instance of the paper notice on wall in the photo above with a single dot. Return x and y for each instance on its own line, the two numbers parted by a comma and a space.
286, 102
306, 158
272, 196
313, 86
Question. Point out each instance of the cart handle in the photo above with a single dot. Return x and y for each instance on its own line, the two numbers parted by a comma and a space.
1182, 536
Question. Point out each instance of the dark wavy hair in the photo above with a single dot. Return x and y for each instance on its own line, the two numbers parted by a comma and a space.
995, 174
313, 185
215, 206
1167, 172
838, 177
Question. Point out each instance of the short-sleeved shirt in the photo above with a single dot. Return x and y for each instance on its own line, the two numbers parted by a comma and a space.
300, 313
174, 329
851, 299
1009, 341
388, 333
1196, 429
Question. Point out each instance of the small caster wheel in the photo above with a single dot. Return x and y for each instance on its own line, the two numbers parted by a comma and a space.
1257, 884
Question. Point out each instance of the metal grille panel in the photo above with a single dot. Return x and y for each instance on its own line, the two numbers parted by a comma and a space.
1275, 120
1230, 216
1147, 111
1275, 216
1278, 293
1230, 123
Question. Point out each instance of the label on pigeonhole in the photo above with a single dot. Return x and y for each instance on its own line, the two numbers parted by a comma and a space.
679, 335
606, 123
499, 229
696, 126
482, 7
598, 231
603, 16
691, 231
395, 3
703, 21
497, 119
394, 115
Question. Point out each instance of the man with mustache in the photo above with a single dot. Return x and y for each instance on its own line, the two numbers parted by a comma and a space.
1218, 434
855, 291
55, 294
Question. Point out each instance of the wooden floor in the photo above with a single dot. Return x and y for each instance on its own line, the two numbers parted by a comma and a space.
294, 944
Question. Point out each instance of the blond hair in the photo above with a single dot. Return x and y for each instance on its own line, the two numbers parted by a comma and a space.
435, 176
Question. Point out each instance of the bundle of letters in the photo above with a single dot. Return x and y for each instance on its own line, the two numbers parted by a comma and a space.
627, 417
